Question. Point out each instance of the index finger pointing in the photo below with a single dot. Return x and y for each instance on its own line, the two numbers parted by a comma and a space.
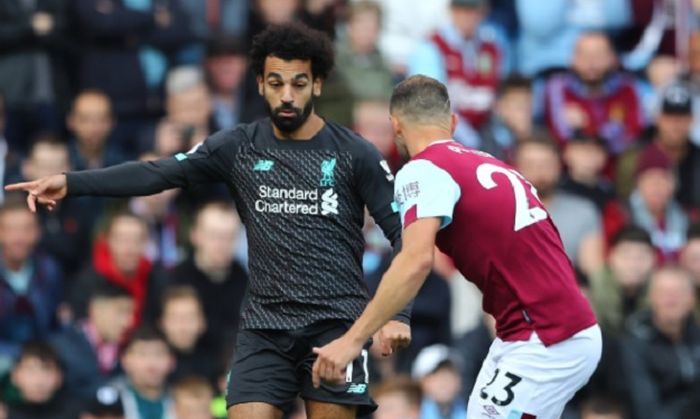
21, 186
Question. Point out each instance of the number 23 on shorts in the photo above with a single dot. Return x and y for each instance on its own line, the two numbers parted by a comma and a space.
496, 391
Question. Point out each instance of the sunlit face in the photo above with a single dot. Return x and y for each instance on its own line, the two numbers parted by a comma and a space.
593, 58
288, 88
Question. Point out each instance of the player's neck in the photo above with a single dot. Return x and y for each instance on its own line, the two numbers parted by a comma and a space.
308, 130
419, 138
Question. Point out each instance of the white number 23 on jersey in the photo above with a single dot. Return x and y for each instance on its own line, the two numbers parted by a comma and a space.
524, 214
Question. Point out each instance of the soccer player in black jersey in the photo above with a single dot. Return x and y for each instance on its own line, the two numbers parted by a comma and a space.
301, 185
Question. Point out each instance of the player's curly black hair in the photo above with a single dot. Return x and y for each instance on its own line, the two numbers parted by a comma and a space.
293, 41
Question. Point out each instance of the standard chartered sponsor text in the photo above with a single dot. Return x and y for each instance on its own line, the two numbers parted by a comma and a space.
287, 201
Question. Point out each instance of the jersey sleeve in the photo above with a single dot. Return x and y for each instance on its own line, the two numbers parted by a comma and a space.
203, 164
375, 184
423, 190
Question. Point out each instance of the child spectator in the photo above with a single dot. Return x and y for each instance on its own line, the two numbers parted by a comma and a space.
147, 360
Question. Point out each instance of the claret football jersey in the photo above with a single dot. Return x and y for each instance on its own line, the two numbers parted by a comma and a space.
499, 236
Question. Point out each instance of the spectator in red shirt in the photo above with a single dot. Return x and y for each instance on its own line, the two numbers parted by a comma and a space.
594, 98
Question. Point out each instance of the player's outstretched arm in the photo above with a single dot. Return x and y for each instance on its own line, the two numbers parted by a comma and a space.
45, 191
398, 286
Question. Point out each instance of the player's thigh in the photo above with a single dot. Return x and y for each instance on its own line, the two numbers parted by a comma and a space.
254, 410
262, 372
323, 410
528, 380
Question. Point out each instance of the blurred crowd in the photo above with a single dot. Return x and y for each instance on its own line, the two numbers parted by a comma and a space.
128, 308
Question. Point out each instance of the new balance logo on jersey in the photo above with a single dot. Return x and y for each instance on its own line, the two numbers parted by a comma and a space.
263, 166
329, 203
357, 388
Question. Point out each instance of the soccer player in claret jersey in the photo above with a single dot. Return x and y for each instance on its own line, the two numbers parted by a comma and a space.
301, 185
488, 218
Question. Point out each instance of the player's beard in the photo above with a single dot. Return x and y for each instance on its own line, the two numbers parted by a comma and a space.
288, 124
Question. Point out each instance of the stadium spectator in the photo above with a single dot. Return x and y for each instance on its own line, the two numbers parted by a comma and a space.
584, 158
67, 231
594, 98
34, 388
602, 408
693, 78
89, 348
371, 121
118, 257
167, 219
576, 218
192, 398
91, 122
147, 361
652, 205
672, 138
212, 270
438, 370
398, 398
125, 51
472, 349
103, 404
652, 30
33, 68
690, 258
189, 102
661, 72
31, 283
468, 61
619, 289
661, 369
209, 19
549, 30
405, 25
183, 324
512, 119
235, 96
357, 55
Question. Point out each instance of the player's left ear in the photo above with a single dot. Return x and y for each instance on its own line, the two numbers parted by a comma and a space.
454, 120
317, 85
